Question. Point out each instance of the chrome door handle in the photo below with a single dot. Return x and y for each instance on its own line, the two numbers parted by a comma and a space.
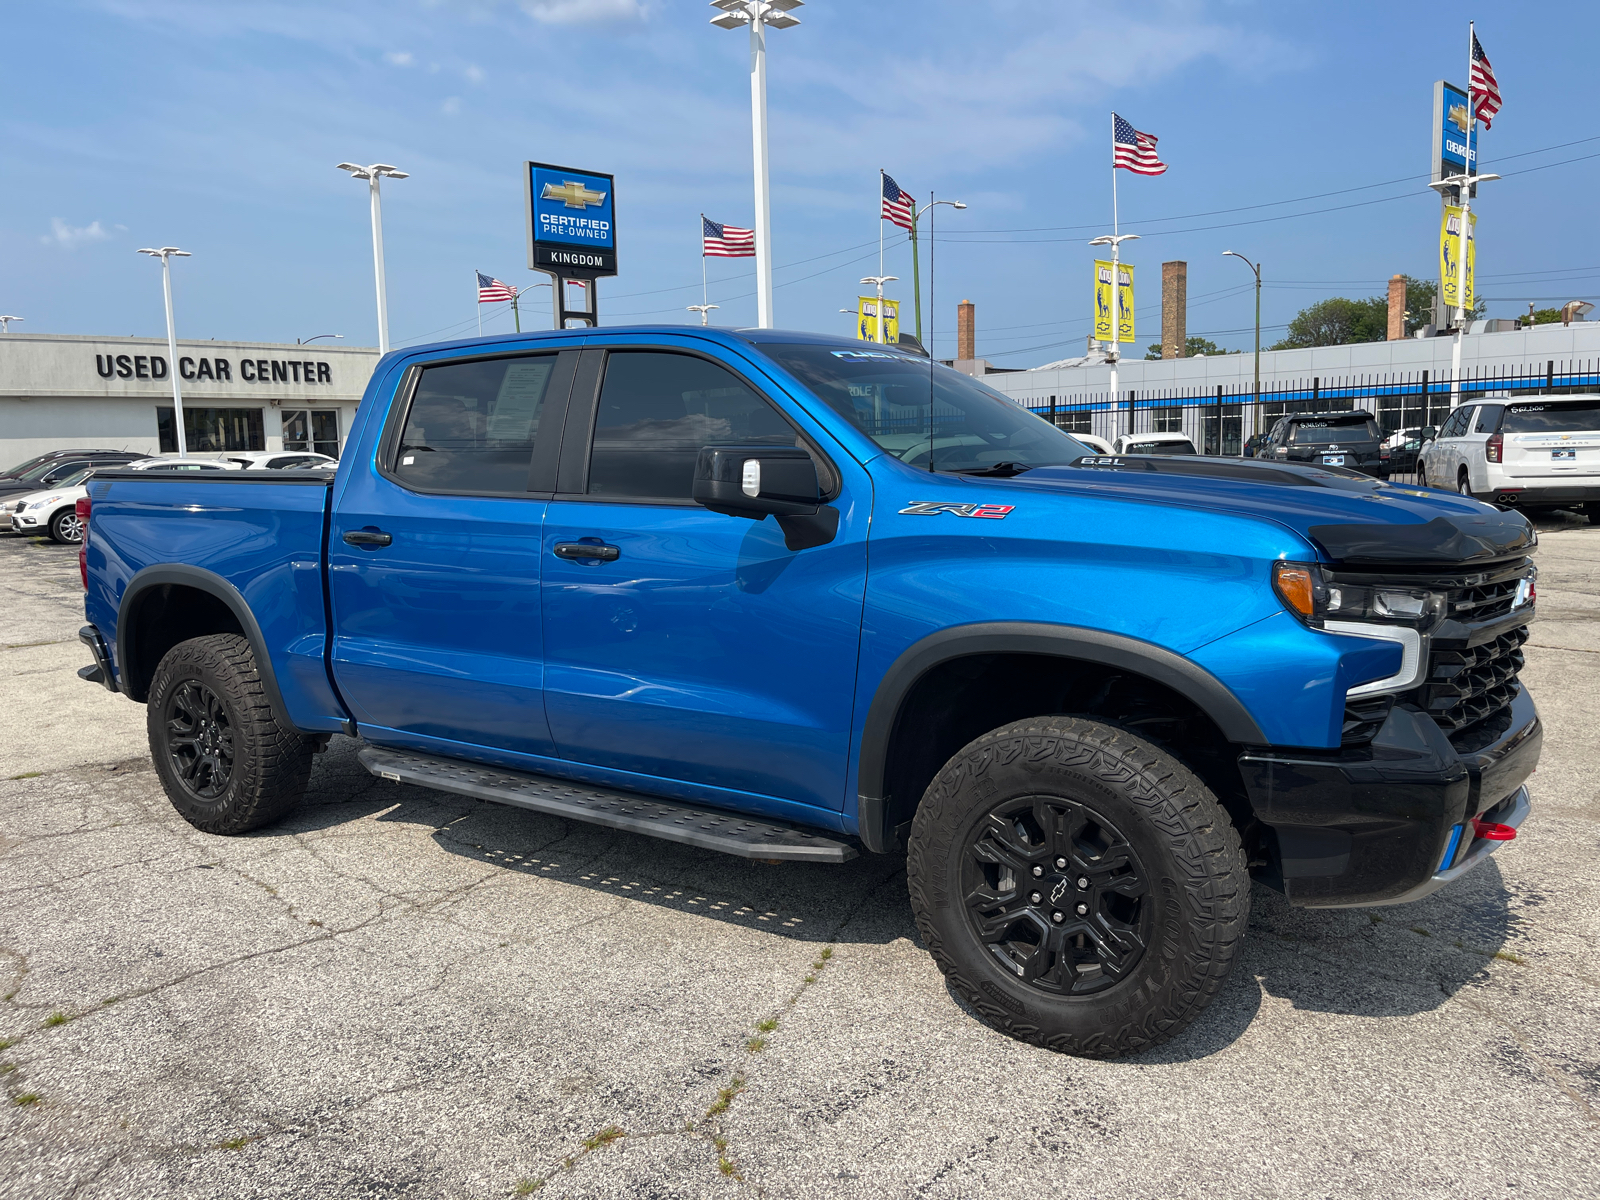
583, 550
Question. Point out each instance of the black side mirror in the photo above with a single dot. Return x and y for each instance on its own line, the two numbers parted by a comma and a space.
755, 481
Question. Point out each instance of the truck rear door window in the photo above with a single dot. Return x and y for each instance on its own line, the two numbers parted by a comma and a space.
1552, 418
1357, 428
656, 411
472, 425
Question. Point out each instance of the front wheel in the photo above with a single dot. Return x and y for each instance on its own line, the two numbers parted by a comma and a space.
228, 763
66, 526
1078, 886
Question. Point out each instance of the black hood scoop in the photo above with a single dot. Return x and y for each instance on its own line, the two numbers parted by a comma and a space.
1443, 541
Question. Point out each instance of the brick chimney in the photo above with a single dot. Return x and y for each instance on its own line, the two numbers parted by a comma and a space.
1397, 307
966, 330
1174, 308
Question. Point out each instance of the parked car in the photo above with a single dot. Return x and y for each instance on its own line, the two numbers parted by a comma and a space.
1349, 439
1153, 443
1252, 444
279, 460
1398, 453
1534, 454
622, 575
51, 510
1096, 444
47, 470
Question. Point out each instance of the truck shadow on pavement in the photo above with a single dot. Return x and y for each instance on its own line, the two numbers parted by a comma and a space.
1380, 962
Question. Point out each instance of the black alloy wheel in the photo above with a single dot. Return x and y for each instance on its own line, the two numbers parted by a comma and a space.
1056, 894
200, 740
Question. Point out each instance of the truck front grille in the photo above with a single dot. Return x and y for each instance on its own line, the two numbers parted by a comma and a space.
1469, 686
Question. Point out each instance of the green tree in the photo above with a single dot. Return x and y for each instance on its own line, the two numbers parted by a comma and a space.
1543, 316
1191, 347
1339, 322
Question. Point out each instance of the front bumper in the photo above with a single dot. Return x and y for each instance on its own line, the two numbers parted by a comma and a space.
1388, 822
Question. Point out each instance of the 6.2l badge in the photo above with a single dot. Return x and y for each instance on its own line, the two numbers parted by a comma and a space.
932, 508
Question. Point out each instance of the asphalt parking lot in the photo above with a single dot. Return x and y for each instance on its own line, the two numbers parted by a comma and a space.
401, 993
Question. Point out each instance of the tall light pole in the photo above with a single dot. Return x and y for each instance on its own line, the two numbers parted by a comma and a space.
916, 260
314, 337
759, 14
878, 281
1466, 183
372, 175
5, 323
1256, 267
166, 254
1115, 242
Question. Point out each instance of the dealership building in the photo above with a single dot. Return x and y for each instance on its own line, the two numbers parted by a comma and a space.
61, 391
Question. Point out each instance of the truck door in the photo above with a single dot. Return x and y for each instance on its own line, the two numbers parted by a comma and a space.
681, 643
433, 557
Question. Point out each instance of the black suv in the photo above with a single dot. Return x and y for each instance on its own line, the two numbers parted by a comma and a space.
48, 469
1329, 439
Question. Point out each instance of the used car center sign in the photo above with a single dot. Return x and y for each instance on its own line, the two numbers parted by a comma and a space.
251, 370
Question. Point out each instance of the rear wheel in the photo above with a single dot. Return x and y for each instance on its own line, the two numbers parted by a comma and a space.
1078, 886
1464, 483
66, 526
228, 763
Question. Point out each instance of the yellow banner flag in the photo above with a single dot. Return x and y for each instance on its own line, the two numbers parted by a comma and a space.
867, 322
1103, 301
1449, 260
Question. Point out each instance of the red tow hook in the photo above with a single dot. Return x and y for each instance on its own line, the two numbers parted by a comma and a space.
1492, 831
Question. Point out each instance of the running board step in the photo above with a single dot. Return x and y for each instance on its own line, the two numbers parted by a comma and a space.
707, 828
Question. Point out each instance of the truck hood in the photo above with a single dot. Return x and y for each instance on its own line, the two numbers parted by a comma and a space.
1349, 517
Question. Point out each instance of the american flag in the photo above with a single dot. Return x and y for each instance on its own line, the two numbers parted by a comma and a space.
1485, 90
492, 290
726, 241
898, 208
1133, 150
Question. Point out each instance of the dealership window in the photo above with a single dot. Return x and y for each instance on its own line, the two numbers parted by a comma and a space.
312, 429
1166, 420
206, 429
1075, 420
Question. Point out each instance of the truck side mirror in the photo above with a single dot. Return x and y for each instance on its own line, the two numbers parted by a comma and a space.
755, 481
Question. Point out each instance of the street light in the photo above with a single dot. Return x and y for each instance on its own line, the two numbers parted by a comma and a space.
878, 281
703, 310
1256, 267
309, 340
1115, 242
5, 323
166, 254
916, 264
1466, 183
759, 15
372, 175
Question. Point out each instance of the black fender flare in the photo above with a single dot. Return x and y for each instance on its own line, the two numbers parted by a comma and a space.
1187, 678
201, 580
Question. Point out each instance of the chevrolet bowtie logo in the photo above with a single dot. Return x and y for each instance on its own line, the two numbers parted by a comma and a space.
573, 194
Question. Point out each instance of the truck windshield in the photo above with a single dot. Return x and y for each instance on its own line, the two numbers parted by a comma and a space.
924, 413
1551, 418
16, 471
1358, 427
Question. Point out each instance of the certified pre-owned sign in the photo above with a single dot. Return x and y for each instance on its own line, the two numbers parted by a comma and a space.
572, 227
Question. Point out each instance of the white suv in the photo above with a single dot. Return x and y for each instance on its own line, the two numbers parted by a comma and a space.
1537, 452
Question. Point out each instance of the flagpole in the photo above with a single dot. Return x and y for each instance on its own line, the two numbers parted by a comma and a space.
1116, 282
480, 301
705, 297
880, 220
1465, 234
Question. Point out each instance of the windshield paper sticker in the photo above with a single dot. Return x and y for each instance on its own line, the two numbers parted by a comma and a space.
932, 508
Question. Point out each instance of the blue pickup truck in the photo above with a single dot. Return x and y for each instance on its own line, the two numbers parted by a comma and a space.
793, 597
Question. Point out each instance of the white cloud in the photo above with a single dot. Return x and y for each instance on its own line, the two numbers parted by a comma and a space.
474, 74
574, 12
451, 106
398, 58
70, 237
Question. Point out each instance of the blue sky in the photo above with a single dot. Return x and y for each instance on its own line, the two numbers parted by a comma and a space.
216, 127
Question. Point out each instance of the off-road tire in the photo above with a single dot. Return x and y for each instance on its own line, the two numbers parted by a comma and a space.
268, 763
66, 527
1197, 884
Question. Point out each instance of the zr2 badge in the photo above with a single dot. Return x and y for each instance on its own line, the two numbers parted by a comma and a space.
932, 508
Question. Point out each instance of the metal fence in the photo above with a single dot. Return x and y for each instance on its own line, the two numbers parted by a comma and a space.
1402, 400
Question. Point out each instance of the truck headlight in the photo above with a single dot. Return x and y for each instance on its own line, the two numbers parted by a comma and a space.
1306, 591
